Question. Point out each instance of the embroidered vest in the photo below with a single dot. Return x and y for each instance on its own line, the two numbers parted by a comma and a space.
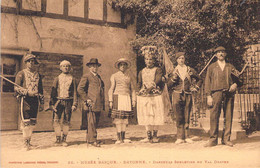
148, 76
31, 80
64, 85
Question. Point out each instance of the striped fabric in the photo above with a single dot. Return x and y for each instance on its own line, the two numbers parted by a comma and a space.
121, 114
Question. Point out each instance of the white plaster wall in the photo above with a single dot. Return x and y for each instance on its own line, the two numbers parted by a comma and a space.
108, 44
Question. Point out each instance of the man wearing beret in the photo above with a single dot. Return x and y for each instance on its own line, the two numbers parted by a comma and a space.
183, 81
63, 102
30, 94
221, 83
91, 91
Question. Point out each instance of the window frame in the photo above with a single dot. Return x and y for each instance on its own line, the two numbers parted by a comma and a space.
17, 59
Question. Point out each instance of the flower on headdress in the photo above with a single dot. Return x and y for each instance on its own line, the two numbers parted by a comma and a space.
151, 50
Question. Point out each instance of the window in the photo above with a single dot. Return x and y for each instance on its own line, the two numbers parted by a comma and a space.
9, 68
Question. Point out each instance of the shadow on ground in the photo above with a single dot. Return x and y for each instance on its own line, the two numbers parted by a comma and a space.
247, 140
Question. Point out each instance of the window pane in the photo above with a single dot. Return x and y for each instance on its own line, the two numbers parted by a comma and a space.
112, 15
55, 6
9, 69
8, 3
7, 86
76, 8
9, 66
32, 5
96, 9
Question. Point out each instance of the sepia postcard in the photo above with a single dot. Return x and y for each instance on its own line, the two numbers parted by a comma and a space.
130, 83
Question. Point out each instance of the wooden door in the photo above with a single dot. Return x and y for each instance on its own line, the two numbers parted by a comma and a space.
10, 65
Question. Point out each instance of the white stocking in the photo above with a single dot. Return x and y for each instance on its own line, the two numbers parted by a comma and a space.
118, 128
57, 128
26, 132
66, 129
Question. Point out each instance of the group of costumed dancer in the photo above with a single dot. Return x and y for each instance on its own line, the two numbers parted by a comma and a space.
150, 97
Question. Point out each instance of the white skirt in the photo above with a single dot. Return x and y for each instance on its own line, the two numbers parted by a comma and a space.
150, 110
124, 103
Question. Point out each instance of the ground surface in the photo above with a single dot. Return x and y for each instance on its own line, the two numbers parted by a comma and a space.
245, 153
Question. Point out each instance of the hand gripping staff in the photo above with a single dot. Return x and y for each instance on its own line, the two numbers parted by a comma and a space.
41, 97
22, 97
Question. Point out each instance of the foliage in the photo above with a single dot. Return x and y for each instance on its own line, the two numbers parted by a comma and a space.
194, 26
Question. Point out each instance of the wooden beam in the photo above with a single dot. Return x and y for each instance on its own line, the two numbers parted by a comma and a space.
105, 10
86, 10
65, 8
43, 6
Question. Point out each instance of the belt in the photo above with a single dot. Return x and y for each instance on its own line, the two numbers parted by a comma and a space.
181, 92
68, 98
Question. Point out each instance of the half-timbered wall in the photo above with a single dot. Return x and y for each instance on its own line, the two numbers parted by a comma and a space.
90, 28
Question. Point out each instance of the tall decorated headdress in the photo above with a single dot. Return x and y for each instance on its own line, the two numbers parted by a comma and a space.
149, 51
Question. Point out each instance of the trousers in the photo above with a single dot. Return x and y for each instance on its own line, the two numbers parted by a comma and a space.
182, 104
227, 99
93, 120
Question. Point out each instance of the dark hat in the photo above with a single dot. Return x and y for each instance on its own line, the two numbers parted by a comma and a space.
178, 54
220, 48
122, 60
93, 61
27, 57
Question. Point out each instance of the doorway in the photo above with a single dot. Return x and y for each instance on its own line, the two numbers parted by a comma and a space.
10, 65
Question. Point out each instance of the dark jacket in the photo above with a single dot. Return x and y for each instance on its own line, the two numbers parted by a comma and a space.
217, 80
55, 91
192, 79
92, 87
157, 80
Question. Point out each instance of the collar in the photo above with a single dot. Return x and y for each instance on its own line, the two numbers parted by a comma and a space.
95, 74
221, 62
184, 67
64, 75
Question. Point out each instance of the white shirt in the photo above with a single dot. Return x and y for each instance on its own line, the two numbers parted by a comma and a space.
182, 70
65, 81
95, 74
222, 64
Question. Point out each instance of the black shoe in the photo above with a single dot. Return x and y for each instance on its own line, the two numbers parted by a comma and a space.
27, 146
210, 144
150, 136
63, 141
118, 140
155, 139
58, 141
228, 143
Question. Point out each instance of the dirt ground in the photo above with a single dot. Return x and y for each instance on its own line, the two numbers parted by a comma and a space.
245, 153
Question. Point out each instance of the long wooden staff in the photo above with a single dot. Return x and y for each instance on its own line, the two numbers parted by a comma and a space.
207, 64
10, 81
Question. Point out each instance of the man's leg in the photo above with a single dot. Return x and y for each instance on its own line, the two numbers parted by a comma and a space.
187, 110
228, 108
93, 120
28, 116
178, 110
214, 117
66, 122
25, 127
57, 125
